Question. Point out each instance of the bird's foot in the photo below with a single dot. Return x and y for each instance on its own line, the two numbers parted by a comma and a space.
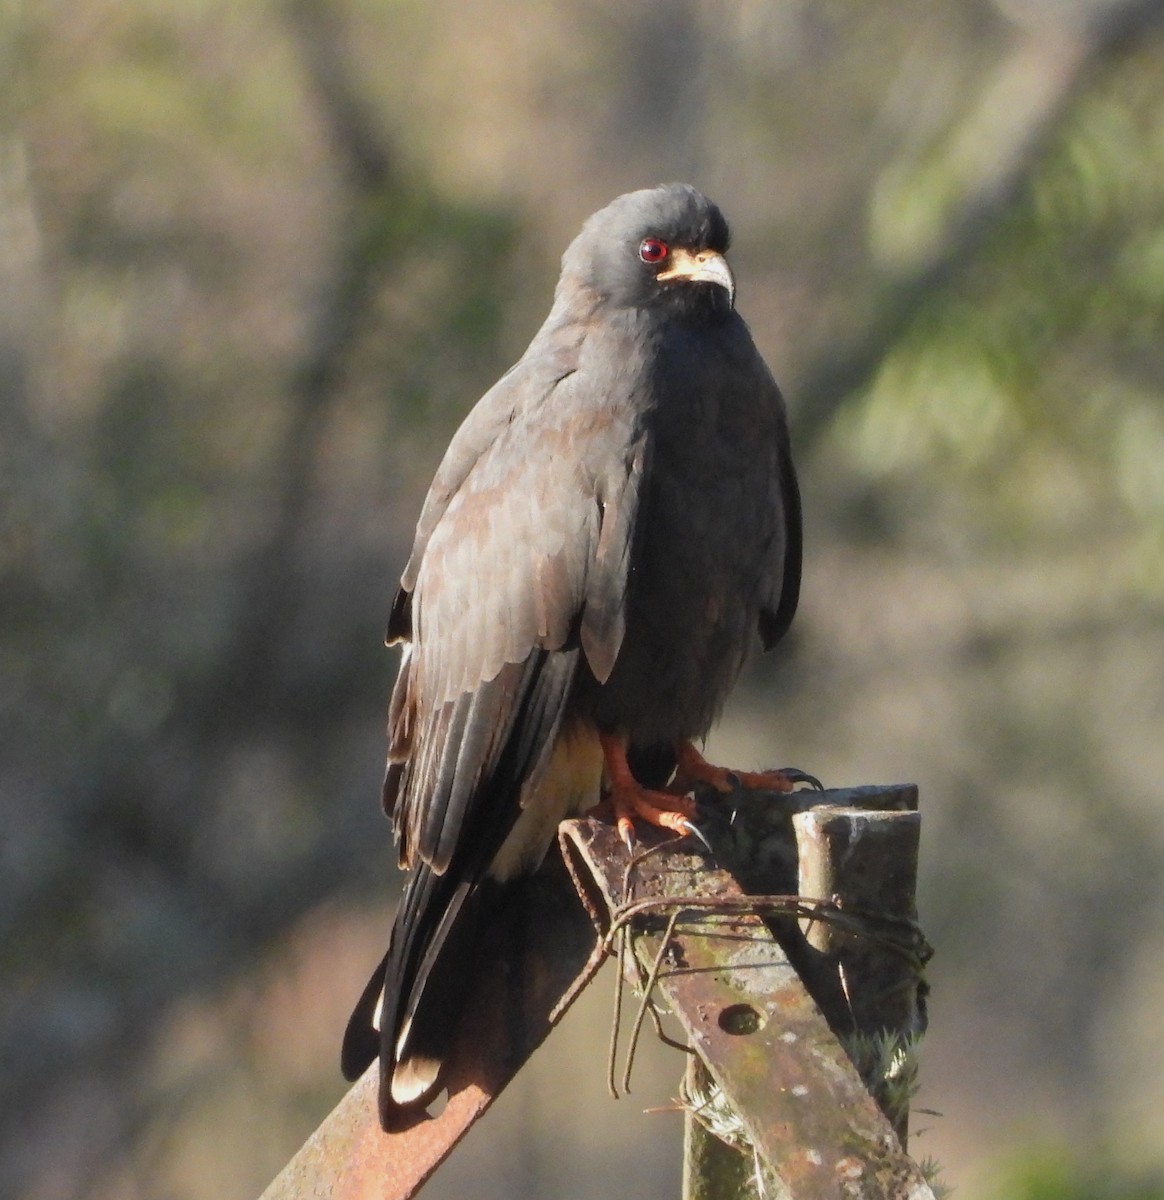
664, 810
693, 769
630, 801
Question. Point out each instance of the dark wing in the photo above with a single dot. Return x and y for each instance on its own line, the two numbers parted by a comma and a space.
519, 567
552, 358
783, 591
528, 555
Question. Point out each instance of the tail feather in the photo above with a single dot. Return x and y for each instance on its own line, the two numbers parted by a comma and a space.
362, 1037
420, 987
410, 1009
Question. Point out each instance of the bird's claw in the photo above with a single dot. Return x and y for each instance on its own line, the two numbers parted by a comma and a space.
794, 776
693, 830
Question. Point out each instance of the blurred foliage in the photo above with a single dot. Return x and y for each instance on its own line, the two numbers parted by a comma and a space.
1045, 1174
255, 262
1035, 380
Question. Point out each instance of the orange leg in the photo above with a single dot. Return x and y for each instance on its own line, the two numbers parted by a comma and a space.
631, 800
693, 768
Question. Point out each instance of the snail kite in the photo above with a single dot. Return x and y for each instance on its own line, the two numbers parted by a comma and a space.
612, 528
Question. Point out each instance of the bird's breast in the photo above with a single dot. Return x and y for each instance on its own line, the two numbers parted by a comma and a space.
708, 534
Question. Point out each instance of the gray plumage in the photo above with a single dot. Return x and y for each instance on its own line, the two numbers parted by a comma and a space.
612, 529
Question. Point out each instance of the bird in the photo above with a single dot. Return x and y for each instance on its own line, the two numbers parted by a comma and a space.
613, 529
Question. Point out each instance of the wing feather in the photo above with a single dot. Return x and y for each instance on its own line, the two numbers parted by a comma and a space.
518, 567
604, 618
521, 557
783, 582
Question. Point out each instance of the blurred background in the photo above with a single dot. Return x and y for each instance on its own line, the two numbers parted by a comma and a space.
258, 259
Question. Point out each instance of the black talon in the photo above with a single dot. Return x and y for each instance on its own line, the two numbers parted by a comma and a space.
694, 831
795, 775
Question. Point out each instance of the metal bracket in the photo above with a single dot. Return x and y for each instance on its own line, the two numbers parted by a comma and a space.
716, 960
766, 1044
539, 959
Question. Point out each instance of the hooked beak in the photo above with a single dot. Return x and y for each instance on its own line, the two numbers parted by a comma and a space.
700, 266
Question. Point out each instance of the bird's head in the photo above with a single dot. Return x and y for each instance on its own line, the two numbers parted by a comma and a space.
660, 247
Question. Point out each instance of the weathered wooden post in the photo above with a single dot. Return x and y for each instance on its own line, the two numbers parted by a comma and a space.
865, 864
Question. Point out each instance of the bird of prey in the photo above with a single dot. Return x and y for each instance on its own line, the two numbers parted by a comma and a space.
613, 527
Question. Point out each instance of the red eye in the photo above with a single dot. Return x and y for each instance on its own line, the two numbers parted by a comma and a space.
651, 250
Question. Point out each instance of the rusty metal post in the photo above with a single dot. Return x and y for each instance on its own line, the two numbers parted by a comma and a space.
539, 959
733, 965
722, 945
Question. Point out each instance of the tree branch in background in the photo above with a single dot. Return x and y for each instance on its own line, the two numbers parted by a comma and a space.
986, 160
270, 592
